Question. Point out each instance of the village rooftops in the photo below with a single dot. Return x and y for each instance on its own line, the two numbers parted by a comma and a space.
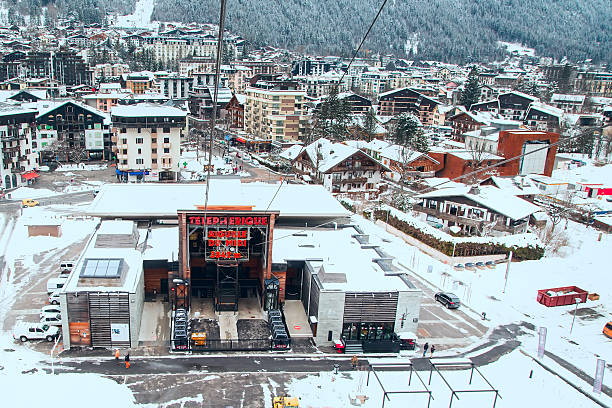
490, 197
343, 259
145, 201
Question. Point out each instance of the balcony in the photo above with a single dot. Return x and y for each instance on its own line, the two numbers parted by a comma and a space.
354, 180
154, 146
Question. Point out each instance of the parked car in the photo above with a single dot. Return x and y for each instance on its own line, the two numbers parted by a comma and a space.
450, 300
52, 319
54, 298
470, 266
481, 265
25, 331
490, 264
49, 309
54, 284
607, 330
66, 267
459, 267
29, 203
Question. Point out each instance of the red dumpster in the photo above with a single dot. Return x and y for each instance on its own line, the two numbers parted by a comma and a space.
563, 296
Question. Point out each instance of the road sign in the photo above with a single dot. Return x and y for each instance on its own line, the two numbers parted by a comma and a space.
599, 373
541, 342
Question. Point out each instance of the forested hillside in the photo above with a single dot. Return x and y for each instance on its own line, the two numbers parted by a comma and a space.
87, 11
450, 30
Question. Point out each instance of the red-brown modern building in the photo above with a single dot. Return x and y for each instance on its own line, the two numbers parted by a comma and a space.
540, 158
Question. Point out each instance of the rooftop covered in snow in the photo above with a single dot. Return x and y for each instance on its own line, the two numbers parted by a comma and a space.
164, 200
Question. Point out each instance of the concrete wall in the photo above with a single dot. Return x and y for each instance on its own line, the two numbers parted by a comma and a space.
136, 307
408, 306
65, 324
331, 315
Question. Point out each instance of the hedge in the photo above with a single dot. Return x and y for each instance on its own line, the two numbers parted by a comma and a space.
529, 252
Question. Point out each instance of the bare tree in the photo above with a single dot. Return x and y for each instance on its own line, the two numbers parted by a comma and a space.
63, 152
479, 158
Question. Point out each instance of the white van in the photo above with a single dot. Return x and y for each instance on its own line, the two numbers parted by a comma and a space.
66, 267
54, 284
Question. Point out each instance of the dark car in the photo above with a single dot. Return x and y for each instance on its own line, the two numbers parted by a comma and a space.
450, 300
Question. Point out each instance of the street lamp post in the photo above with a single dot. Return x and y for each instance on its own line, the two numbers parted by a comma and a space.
575, 311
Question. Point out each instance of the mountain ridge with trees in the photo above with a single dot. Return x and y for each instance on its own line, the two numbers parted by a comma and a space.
458, 31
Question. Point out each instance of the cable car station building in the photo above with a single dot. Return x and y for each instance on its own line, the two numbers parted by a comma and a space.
254, 247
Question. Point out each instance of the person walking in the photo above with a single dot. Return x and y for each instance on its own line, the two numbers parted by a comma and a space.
354, 361
127, 360
117, 354
425, 347
433, 348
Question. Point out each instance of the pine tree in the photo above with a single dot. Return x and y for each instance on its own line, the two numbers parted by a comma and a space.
471, 90
369, 124
406, 128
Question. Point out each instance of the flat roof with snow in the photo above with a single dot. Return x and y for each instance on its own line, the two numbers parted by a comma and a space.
164, 200
140, 110
341, 262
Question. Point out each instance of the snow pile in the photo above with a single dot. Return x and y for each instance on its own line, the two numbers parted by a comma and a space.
23, 193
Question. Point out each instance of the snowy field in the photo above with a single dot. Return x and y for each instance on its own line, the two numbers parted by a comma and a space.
141, 17
581, 263
21, 368
510, 375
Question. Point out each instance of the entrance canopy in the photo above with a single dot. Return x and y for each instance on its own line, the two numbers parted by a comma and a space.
29, 175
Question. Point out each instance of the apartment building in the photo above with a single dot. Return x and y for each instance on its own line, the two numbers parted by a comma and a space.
169, 49
174, 86
17, 160
274, 110
147, 141
137, 82
110, 70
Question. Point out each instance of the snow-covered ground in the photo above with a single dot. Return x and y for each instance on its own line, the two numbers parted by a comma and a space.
582, 263
141, 18
510, 375
23, 380
519, 48
192, 167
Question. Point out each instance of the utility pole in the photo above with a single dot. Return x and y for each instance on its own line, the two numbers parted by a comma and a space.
215, 97
507, 271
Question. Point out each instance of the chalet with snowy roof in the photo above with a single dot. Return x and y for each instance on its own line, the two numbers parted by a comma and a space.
343, 169
358, 103
486, 106
468, 121
514, 105
477, 210
544, 117
398, 101
408, 164
81, 128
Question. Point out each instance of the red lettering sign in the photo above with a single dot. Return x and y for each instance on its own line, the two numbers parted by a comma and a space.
223, 220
